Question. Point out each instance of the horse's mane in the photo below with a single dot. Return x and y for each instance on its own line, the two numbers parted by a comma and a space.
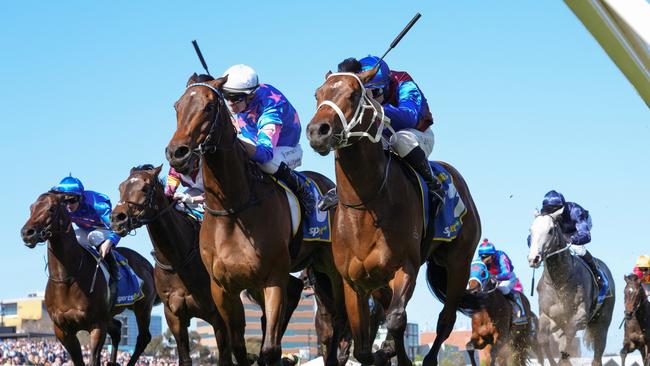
146, 168
202, 78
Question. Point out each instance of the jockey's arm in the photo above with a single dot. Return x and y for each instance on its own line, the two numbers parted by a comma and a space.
173, 181
103, 210
407, 112
269, 125
582, 235
505, 268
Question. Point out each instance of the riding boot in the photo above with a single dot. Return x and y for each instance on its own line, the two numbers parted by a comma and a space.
328, 200
520, 315
589, 259
418, 160
305, 195
114, 275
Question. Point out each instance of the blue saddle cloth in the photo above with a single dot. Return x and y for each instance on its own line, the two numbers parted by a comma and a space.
317, 225
603, 292
129, 285
449, 220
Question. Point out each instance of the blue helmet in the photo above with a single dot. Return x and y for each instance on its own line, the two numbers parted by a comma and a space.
69, 185
486, 248
381, 78
553, 201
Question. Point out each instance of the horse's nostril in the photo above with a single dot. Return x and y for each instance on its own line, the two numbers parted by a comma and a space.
30, 232
181, 152
120, 217
324, 129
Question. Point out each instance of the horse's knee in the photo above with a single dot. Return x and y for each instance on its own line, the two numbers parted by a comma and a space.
144, 338
396, 321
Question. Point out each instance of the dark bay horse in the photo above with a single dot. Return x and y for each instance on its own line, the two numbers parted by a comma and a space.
182, 282
567, 292
378, 238
246, 239
68, 297
637, 320
493, 330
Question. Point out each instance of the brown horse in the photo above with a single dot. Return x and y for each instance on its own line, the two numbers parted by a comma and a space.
378, 239
246, 238
69, 300
637, 320
493, 330
182, 282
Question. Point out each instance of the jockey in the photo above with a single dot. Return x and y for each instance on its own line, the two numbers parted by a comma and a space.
575, 224
193, 196
91, 213
270, 128
410, 117
500, 267
642, 269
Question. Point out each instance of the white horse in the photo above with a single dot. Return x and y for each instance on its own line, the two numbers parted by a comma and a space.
567, 292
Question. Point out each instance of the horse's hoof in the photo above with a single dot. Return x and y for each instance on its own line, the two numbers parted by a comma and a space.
380, 358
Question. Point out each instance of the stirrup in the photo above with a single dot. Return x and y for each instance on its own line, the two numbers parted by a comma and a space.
328, 200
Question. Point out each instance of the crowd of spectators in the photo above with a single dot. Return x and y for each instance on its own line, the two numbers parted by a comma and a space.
52, 353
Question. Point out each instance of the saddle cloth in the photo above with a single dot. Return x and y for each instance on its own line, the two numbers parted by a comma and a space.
316, 226
129, 285
604, 293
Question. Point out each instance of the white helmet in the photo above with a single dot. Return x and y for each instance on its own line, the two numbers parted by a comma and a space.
241, 79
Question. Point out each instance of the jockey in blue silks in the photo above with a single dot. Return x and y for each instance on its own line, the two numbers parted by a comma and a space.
269, 127
91, 213
501, 269
410, 117
575, 224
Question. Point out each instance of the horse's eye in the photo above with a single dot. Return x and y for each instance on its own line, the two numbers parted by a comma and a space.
208, 108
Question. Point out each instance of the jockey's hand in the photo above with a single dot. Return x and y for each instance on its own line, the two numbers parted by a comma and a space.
183, 197
105, 248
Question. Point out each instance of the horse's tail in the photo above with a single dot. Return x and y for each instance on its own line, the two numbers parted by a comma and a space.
437, 281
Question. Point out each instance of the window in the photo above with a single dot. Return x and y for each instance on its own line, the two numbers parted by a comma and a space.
9, 309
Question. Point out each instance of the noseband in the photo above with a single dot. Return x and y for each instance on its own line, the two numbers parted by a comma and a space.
149, 204
365, 103
557, 237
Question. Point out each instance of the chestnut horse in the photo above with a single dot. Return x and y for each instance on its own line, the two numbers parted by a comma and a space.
69, 299
637, 320
378, 238
493, 331
246, 239
181, 279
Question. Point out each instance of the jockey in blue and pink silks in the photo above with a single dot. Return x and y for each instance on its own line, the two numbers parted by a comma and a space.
268, 126
408, 110
91, 213
501, 269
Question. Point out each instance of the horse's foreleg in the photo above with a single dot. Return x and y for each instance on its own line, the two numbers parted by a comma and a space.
274, 311
543, 338
115, 331
71, 344
402, 285
178, 328
97, 339
358, 312
221, 336
232, 311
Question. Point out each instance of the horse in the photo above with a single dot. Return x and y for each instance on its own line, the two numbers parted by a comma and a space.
493, 330
637, 320
181, 280
71, 300
378, 238
567, 292
246, 239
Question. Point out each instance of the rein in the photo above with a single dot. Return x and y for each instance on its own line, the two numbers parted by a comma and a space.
362, 205
168, 267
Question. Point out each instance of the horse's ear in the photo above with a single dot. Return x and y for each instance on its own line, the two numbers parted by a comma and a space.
218, 83
367, 75
328, 74
157, 170
193, 79
557, 213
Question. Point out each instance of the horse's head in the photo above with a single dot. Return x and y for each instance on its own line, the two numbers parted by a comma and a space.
342, 101
478, 277
200, 115
544, 237
47, 216
634, 293
137, 199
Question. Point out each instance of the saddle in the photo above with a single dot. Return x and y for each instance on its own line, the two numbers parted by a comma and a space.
604, 292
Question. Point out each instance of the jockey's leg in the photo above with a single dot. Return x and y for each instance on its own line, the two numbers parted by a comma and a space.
281, 166
414, 146
507, 289
589, 259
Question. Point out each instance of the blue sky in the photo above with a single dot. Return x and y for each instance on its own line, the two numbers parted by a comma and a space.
523, 97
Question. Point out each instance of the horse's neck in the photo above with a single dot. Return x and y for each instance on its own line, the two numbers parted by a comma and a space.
360, 170
169, 233
64, 255
559, 268
643, 314
225, 174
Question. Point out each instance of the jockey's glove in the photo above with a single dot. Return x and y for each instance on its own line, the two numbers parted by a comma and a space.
183, 197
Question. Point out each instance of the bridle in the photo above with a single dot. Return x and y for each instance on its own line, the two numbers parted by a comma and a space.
365, 103
47, 232
640, 294
557, 237
149, 205
208, 145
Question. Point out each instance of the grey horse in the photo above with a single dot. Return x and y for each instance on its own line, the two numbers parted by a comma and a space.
567, 292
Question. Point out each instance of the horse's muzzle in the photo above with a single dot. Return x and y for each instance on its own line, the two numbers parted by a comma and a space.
31, 236
319, 135
119, 223
179, 157
535, 262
